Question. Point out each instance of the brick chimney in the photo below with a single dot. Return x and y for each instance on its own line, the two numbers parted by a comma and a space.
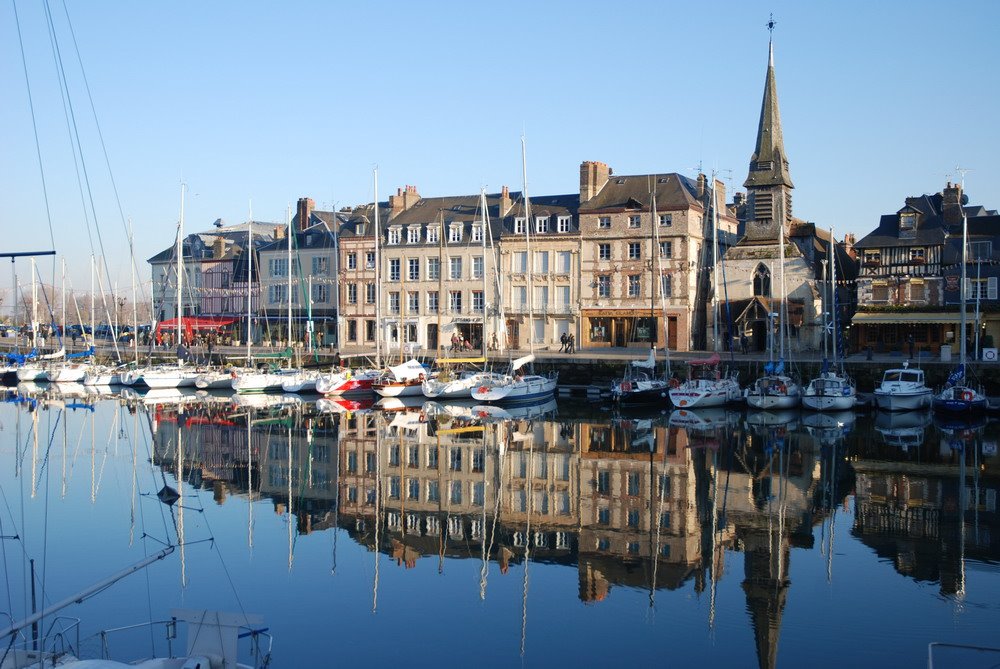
305, 210
848, 245
593, 176
951, 204
403, 199
505, 202
702, 181
219, 247
720, 195
279, 231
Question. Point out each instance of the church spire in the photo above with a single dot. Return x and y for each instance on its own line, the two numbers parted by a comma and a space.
768, 165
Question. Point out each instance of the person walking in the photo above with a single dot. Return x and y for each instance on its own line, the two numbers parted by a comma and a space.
571, 344
909, 343
564, 341
744, 343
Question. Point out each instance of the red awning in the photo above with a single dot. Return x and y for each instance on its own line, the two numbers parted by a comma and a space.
190, 323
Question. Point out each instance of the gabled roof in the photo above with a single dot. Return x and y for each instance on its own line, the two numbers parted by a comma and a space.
930, 229
235, 236
623, 192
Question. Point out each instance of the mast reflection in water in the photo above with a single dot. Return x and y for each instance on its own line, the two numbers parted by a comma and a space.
548, 534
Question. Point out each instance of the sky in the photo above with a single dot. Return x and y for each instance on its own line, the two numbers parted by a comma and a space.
256, 104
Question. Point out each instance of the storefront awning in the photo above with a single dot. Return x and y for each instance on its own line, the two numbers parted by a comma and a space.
888, 317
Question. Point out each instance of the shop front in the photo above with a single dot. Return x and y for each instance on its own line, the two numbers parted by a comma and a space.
627, 327
893, 332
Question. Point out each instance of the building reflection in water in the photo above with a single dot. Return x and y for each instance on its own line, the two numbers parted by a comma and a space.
651, 503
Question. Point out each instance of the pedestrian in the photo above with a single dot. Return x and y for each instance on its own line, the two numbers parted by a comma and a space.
74, 338
564, 341
336, 359
571, 344
909, 343
744, 343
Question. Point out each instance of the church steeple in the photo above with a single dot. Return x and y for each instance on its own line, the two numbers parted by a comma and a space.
769, 183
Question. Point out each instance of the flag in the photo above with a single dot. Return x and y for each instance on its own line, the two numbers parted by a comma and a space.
780, 367
956, 375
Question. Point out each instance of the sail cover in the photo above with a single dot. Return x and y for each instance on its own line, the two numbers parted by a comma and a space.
648, 363
408, 371
521, 362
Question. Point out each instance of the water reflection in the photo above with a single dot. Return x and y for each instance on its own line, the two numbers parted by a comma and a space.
640, 502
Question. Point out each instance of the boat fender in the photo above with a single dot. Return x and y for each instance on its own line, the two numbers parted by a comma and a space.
782, 388
675, 383
421, 378
967, 395
484, 389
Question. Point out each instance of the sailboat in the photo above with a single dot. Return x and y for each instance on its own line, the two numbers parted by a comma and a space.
515, 386
958, 396
775, 389
640, 384
832, 390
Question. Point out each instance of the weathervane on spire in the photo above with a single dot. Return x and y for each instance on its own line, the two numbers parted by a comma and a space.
771, 23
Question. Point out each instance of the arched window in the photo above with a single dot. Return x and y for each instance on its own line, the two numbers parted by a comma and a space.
762, 281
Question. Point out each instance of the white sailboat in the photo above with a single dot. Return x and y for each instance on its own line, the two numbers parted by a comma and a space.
514, 386
832, 390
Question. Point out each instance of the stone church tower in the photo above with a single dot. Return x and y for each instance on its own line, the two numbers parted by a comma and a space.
757, 273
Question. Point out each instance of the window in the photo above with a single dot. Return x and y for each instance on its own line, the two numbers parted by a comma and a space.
320, 264
413, 305
320, 292
663, 488
873, 258
519, 224
604, 515
634, 251
413, 489
604, 222
413, 269
277, 292
880, 292
369, 330
352, 261
432, 302
665, 520
541, 224
917, 255
633, 517
454, 268
369, 293
563, 223
907, 224
478, 496
370, 260
433, 269
604, 482
632, 484
541, 297
762, 281
433, 491
478, 460
634, 289
394, 302
477, 232
278, 266
352, 330
666, 287
370, 462
413, 234
455, 233
478, 303
564, 262
393, 269
666, 220
477, 267
394, 234
456, 492
562, 293
520, 297
633, 548
519, 262
352, 293
413, 456
666, 249
455, 301
455, 460
980, 251
982, 289
433, 234
634, 221
604, 251
432, 457
604, 286
541, 262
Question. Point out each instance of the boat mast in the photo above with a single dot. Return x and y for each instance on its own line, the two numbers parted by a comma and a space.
782, 308
93, 316
715, 272
440, 304
249, 251
484, 229
965, 248
530, 259
34, 307
834, 335
135, 303
288, 297
378, 286
180, 266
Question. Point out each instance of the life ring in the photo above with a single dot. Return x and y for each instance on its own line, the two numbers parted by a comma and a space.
967, 395
483, 389
675, 383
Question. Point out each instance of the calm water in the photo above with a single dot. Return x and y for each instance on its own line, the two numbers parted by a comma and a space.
563, 536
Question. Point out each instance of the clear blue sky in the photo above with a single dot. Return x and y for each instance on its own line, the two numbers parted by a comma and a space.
272, 101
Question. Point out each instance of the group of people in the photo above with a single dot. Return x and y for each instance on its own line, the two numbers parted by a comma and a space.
568, 343
460, 343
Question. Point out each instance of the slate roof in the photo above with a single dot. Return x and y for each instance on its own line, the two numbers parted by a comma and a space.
430, 211
632, 192
235, 235
930, 229
769, 164
552, 206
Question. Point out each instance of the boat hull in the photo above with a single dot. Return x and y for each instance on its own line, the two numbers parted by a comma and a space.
527, 389
829, 402
642, 396
716, 395
909, 401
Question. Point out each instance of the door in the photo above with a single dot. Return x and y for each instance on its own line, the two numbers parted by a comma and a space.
562, 328
513, 335
538, 328
618, 332
432, 336
672, 333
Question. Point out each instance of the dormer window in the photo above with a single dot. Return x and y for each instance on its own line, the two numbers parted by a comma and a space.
455, 233
917, 255
413, 234
541, 224
873, 258
519, 224
433, 234
907, 224
563, 223
359, 229
477, 232
394, 235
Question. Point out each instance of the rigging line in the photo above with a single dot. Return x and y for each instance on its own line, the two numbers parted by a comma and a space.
100, 135
76, 137
34, 126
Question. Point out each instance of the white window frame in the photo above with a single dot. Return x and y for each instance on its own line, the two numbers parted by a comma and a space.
519, 224
433, 234
563, 223
634, 221
477, 232
604, 222
352, 261
395, 269
413, 234
455, 234
519, 262
433, 269
564, 262
667, 249
541, 224
600, 252
634, 285
455, 262
635, 250
478, 267
666, 220
394, 235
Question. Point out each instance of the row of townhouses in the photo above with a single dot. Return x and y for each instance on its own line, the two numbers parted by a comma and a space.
626, 260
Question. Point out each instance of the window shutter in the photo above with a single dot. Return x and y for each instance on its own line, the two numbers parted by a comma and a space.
991, 288
968, 289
